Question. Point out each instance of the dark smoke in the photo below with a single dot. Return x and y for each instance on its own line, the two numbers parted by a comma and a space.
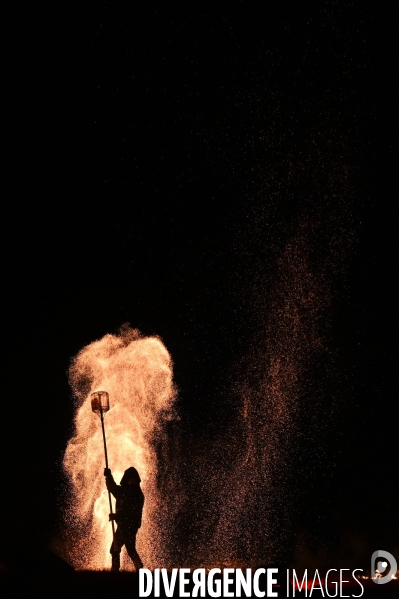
238, 486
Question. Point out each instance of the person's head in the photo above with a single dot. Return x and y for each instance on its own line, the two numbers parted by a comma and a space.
131, 477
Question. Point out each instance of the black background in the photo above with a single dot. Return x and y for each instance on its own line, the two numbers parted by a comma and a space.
133, 163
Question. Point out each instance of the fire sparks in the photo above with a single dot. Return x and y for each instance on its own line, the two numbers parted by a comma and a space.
137, 373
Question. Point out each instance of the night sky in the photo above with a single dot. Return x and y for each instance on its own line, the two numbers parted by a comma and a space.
159, 160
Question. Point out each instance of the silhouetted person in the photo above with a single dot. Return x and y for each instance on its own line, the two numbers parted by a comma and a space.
129, 507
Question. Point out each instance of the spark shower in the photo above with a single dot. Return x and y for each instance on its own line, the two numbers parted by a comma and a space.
206, 504
137, 373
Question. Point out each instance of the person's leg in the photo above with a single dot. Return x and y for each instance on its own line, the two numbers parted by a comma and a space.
130, 544
115, 550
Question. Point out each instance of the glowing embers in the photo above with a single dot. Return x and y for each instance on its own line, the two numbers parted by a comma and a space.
137, 373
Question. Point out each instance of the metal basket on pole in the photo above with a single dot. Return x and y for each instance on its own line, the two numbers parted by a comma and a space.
100, 405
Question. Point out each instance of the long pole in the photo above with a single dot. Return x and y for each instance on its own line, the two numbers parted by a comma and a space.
106, 465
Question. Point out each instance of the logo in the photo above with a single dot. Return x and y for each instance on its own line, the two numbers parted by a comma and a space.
379, 566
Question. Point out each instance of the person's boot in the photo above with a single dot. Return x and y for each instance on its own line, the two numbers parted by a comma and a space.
137, 563
116, 561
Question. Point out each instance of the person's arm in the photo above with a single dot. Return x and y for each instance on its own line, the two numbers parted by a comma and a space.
111, 484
